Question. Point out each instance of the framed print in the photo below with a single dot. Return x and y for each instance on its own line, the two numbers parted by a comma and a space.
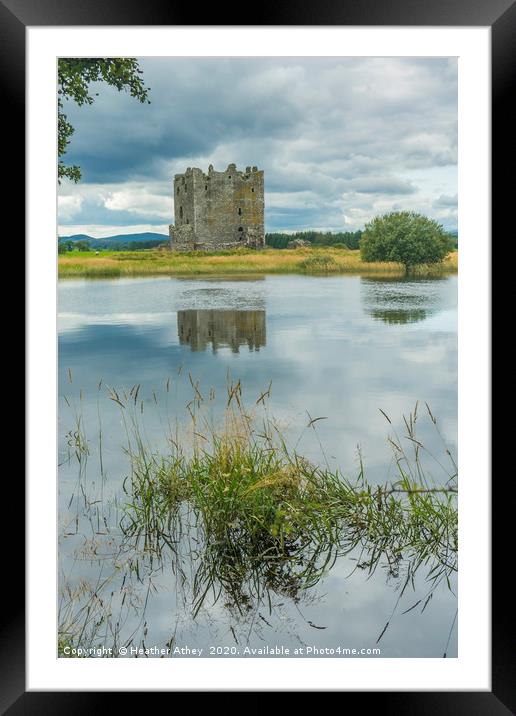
255, 361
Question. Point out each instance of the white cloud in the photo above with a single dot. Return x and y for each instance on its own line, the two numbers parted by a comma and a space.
445, 201
139, 200
69, 206
292, 200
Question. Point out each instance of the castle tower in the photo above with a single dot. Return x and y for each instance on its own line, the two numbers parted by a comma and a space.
218, 210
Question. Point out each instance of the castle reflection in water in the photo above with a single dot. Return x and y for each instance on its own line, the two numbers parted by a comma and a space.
221, 328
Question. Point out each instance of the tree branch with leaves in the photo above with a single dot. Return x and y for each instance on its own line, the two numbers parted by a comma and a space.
74, 77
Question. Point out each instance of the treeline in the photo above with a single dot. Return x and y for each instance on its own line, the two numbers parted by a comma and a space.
100, 245
347, 239
344, 239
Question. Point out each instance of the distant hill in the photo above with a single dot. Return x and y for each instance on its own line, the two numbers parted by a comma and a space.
118, 238
118, 242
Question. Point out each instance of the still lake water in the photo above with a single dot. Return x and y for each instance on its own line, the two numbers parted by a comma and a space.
344, 348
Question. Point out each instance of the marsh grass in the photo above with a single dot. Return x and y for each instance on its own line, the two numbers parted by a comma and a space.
321, 263
269, 520
154, 262
241, 516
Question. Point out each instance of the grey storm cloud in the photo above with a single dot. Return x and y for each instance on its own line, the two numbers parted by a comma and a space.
381, 185
444, 201
340, 139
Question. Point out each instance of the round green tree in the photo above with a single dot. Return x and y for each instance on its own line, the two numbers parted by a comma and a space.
405, 237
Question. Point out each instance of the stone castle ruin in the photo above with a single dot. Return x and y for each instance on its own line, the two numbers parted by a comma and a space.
218, 210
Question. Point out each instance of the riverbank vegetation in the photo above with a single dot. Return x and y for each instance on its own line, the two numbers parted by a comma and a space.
155, 262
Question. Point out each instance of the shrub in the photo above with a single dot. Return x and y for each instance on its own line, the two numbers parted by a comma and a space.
405, 237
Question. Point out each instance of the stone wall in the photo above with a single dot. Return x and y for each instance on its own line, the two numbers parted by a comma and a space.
218, 209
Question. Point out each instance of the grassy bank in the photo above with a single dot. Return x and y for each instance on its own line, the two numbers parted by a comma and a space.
156, 262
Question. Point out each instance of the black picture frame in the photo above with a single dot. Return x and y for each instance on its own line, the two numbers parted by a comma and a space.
500, 16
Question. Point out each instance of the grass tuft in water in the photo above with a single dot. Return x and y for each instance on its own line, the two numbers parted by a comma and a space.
270, 520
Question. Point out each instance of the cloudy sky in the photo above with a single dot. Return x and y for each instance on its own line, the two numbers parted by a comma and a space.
340, 140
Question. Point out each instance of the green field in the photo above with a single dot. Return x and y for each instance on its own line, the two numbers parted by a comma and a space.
156, 262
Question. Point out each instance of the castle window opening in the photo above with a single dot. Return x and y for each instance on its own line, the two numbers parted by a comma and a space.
180, 212
252, 189
206, 187
239, 211
240, 228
